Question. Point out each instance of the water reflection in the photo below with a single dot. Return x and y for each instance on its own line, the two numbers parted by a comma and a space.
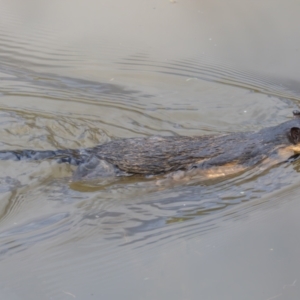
129, 213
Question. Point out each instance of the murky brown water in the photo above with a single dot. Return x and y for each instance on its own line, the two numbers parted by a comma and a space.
79, 73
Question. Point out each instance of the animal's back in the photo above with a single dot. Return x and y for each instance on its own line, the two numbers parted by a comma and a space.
156, 155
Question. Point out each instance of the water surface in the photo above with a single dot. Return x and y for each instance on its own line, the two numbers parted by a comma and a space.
76, 74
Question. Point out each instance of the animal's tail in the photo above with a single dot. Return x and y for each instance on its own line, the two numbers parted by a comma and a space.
74, 157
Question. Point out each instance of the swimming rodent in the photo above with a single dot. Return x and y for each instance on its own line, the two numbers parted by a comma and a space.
163, 155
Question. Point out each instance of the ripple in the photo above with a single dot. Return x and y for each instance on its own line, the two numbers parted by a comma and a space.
20, 237
130, 217
53, 110
206, 69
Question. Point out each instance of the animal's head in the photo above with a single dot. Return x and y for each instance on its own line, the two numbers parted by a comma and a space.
295, 131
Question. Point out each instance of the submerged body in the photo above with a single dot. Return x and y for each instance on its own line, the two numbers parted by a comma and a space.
162, 155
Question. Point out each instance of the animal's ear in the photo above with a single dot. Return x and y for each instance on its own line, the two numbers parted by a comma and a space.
296, 113
295, 135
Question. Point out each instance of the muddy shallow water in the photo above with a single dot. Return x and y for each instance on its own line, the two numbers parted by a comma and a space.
76, 74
